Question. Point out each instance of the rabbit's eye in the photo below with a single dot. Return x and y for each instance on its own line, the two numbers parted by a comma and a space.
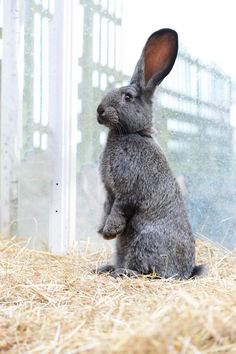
128, 97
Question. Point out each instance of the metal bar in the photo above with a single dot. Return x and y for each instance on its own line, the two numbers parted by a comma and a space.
62, 121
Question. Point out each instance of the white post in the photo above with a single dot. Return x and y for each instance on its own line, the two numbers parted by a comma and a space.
11, 106
63, 124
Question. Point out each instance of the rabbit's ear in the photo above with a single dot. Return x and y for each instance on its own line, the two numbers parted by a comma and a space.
157, 59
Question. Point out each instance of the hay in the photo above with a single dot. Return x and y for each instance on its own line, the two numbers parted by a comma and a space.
54, 304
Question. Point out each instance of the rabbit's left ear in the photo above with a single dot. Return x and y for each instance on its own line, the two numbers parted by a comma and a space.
157, 59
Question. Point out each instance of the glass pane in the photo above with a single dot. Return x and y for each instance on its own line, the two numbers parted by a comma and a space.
31, 164
193, 113
35, 166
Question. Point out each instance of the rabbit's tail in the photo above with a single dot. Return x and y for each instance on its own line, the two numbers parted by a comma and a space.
198, 270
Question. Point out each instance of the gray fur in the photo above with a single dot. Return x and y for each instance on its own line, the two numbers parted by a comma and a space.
144, 209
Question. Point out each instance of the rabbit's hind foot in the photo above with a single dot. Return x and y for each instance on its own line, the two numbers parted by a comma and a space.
124, 272
107, 268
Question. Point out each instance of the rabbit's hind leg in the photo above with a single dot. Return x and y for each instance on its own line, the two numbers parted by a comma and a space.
107, 268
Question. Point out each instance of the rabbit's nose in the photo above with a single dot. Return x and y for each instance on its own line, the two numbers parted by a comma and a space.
100, 110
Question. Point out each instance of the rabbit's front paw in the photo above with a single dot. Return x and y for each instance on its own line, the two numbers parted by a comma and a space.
113, 227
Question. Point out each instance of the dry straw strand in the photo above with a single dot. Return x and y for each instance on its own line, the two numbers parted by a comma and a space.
55, 304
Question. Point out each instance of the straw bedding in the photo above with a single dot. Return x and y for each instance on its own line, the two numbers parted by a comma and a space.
54, 304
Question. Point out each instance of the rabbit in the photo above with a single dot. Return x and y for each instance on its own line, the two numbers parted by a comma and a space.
144, 209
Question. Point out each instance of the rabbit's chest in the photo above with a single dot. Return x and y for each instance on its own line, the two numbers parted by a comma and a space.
116, 169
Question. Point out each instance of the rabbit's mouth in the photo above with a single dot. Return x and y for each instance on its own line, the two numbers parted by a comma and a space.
108, 117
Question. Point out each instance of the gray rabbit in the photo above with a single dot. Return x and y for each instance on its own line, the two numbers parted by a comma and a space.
144, 209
